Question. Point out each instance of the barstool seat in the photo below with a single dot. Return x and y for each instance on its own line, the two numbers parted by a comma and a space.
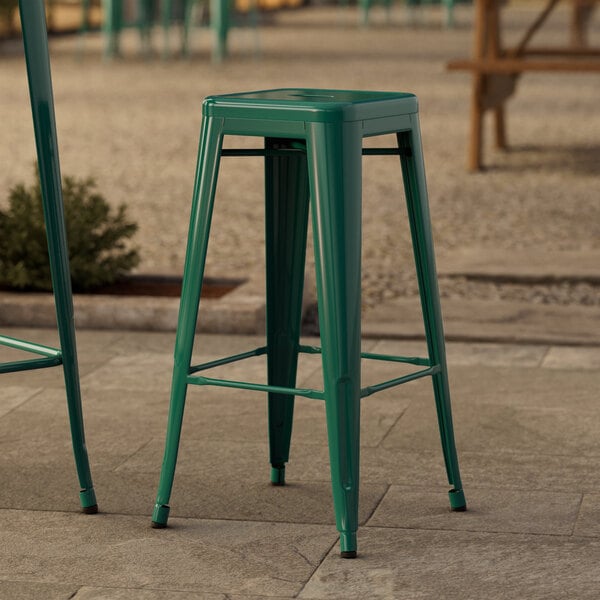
313, 152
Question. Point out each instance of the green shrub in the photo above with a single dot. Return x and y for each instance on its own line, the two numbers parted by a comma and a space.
99, 253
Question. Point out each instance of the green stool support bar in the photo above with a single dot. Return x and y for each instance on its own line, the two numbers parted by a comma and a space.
312, 157
33, 21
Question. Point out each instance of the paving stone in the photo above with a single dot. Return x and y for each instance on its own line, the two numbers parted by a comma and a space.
529, 265
502, 427
496, 470
404, 564
51, 487
524, 388
13, 396
145, 371
588, 521
473, 353
51, 377
493, 321
568, 357
93, 347
199, 556
210, 345
37, 432
210, 496
27, 590
238, 415
492, 510
105, 593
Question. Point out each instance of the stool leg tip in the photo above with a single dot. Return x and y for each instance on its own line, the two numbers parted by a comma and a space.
277, 474
160, 516
348, 554
87, 498
457, 500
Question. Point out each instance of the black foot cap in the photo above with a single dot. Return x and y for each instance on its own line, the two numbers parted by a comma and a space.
460, 508
90, 510
348, 554
156, 525
278, 483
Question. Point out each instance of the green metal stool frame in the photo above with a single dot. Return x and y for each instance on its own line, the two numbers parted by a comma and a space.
313, 152
33, 20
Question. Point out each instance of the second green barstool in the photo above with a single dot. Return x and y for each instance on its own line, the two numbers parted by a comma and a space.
33, 23
313, 152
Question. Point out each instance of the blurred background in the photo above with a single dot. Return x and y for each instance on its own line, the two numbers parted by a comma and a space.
128, 89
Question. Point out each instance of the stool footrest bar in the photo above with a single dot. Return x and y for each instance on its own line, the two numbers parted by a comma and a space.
17, 344
307, 393
51, 356
30, 365
378, 387
228, 360
411, 360
258, 387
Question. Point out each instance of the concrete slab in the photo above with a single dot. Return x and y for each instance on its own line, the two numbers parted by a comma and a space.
588, 521
192, 555
498, 470
37, 432
241, 311
204, 495
234, 313
530, 265
480, 320
27, 590
13, 396
473, 353
565, 357
106, 593
502, 427
404, 564
492, 510
523, 387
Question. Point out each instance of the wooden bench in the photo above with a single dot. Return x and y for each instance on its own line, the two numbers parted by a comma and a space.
496, 69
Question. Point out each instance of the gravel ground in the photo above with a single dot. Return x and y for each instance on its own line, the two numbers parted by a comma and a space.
133, 124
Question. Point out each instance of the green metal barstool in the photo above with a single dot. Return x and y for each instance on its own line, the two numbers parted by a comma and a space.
313, 149
33, 20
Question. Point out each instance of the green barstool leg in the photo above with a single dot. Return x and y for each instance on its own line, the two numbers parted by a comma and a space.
166, 8
112, 24
202, 205
286, 214
449, 5
334, 158
188, 16
85, 17
365, 8
145, 21
219, 23
418, 213
35, 39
